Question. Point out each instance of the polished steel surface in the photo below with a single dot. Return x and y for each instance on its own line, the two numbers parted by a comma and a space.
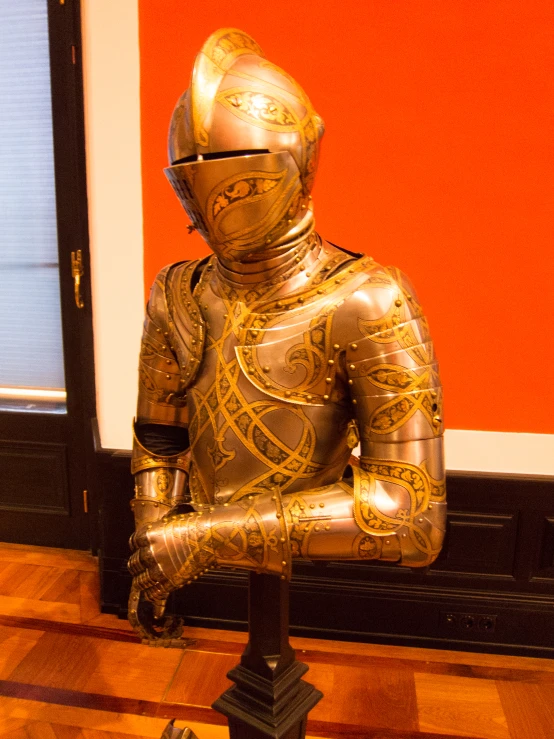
278, 354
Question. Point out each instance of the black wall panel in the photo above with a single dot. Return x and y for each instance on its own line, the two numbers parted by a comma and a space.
33, 477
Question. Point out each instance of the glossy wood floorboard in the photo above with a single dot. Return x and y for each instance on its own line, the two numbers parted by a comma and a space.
68, 671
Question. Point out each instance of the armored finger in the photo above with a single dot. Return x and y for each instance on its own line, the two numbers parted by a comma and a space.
134, 565
139, 539
159, 607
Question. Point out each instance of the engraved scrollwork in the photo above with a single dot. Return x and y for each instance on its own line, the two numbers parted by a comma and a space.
241, 190
420, 488
231, 42
261, 109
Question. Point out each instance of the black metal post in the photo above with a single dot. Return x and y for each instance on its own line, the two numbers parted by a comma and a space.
269, 699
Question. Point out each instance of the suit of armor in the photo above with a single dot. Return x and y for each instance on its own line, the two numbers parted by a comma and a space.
263, 366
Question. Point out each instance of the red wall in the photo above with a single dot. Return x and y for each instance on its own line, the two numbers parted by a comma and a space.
438, 158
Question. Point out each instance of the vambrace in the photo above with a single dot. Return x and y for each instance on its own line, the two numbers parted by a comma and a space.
161, 482
392, 511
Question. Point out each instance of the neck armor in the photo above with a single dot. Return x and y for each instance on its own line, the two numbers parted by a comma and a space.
243, 147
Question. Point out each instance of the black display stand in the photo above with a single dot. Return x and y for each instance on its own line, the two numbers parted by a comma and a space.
269, 699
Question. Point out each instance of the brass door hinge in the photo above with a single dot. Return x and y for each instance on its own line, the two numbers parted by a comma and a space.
77, 271
85, 501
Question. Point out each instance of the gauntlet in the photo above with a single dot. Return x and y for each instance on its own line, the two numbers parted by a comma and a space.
251, 535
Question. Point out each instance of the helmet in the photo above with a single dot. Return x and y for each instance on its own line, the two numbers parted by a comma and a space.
243, 148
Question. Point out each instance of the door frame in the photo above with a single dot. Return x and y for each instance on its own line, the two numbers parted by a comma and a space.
66, 73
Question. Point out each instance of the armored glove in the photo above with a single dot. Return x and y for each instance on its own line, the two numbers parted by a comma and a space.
250, 534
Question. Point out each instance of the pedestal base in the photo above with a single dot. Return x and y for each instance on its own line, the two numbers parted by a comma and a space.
258, 708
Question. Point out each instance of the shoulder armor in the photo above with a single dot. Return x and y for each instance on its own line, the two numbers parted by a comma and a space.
184, 318
391, 364
171, 348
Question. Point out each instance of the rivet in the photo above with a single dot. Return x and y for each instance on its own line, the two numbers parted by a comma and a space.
352, 366
308, 398
433, 394
430, 506
266, 368
350, 382
278, 515
158, 330
387, 542
354, 401
437, 419
225, 505
168, 361
325, 397
303, 206
250, 497
312, 505
409, 297
320, 292
284, 563
420, 520
282, 540
283, 577
398, 303
322, 505
328, 380
336, 347
301, 300
268, 385
327, 528
353, 346
251, 370
316, 528
330, 361
168, 377
287, 393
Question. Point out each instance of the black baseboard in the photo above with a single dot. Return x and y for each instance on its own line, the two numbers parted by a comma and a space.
491, 590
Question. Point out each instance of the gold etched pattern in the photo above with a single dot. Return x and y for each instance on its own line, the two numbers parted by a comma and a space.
259, 108
412, 389
176, 550
241, 190
216, 57
315, 352
410, 521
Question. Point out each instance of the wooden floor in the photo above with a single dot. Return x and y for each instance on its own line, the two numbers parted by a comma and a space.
67, 671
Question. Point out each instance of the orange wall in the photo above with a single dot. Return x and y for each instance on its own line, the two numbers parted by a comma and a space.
438, 158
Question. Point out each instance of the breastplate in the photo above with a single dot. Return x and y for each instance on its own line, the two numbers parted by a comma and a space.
266, 390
